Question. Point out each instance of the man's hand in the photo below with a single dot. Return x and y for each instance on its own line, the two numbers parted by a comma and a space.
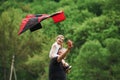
70, 44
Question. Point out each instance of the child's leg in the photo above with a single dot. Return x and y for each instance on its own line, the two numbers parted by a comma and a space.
66, 66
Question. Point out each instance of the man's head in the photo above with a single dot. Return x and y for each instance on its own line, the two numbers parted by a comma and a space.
61, 51
60, 39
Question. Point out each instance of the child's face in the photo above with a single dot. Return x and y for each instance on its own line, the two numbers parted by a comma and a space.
60, 40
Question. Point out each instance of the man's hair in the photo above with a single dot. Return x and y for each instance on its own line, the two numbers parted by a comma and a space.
63, 49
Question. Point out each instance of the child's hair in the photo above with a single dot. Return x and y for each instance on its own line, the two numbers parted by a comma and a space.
60, 36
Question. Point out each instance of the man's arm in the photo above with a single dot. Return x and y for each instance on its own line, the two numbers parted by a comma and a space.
62, 56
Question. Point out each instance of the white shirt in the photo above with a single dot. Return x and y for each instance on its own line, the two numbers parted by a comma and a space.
54, 50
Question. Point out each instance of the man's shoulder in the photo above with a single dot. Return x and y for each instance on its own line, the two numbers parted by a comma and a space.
54, 59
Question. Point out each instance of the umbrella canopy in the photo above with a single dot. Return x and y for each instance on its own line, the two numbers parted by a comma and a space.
32, 21
58, 16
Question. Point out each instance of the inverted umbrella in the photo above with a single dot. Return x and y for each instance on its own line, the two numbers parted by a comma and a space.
32, 21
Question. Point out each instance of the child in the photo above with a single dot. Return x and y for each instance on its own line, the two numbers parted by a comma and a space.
56, 46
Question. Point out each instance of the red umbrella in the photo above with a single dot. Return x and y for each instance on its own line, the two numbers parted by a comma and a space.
32, 21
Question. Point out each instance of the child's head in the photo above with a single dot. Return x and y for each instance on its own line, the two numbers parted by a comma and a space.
60, 39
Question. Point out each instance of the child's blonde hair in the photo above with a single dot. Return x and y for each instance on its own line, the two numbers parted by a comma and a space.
60, 36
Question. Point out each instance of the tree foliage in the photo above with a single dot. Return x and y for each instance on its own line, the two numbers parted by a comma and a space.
93, 25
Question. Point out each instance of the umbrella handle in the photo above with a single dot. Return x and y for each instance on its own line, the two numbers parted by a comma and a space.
56, 13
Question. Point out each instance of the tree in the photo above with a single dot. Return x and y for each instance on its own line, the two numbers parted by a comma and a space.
91, 62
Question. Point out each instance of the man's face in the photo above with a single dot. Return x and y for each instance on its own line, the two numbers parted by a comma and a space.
59, 52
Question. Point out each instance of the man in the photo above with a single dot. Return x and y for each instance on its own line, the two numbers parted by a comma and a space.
56, 70
66, 66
